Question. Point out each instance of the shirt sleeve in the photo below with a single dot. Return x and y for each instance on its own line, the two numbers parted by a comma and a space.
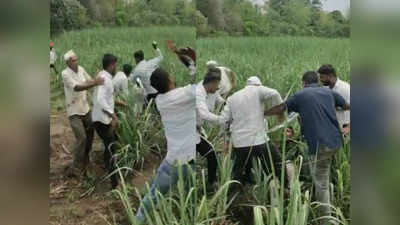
291, 104
102, 96
202, 108
271, 95
339, 100
157, 60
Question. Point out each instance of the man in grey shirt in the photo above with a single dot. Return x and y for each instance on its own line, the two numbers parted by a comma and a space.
144, 69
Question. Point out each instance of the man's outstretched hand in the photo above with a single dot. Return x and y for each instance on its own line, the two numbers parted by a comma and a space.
154, 44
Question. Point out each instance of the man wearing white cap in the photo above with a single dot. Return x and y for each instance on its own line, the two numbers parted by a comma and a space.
228, 78
76, 83
245, 109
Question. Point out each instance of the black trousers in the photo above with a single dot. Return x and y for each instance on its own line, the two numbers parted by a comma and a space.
109, 138
243, 161
206, 150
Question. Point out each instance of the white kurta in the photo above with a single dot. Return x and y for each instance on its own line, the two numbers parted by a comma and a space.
75, 101
245, 110
103, 99
178, 115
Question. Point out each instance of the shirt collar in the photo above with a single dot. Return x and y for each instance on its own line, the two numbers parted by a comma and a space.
312, 85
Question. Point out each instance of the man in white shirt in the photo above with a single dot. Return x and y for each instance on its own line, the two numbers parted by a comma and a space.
104, 119
228, 78
245, 109
206, 99
120, 80
144, 69
53, 57
328, 77
177, 107
76, 84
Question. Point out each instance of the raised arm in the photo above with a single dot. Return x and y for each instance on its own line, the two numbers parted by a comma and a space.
158, 59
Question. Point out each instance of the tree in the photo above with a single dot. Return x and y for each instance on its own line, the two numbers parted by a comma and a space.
67, 15
213, 11
337, 16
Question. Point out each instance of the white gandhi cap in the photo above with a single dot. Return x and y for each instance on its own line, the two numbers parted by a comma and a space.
69, 55
254, 80
212, 64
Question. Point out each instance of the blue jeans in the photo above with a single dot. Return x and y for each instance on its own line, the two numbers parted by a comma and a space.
167, 176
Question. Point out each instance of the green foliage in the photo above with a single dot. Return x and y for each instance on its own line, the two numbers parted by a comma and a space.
210, 17
67, 15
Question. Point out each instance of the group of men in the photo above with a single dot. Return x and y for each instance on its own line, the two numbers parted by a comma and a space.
324, 116
102, 118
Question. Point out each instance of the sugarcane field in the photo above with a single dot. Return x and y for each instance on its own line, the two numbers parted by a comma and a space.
177, 122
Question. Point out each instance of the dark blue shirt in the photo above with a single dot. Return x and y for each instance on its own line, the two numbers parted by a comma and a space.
317, 108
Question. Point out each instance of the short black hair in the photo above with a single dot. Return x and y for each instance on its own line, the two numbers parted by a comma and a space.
127, 68
160, 80
327, 69
139, 55
310, 77
108, 59
211, 76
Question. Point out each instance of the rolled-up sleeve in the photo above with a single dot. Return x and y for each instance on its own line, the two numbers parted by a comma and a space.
270, 95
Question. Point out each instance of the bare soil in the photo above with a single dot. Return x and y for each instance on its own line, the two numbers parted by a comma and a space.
74, 201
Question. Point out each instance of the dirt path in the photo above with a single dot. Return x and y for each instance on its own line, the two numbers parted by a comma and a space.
67, 206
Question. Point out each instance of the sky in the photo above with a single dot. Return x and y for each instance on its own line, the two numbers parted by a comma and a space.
329, 5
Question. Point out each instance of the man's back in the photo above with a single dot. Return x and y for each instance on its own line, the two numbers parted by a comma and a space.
316, 106
178, 114
247, 113
144, 69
